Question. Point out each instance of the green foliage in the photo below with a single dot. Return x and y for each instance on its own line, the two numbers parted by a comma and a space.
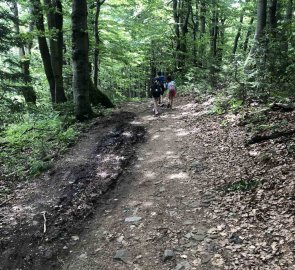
273, 127
242, 185
29, 147
223, 104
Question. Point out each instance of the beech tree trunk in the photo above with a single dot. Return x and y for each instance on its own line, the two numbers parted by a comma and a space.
238, 35
81, 73
27, 90
176, 17
55, 24
43, 46
261, 19
195, 23
99, 3
259, 32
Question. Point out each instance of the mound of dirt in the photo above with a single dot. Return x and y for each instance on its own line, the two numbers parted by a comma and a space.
46, 215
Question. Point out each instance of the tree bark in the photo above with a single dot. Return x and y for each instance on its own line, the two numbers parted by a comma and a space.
43, 46
27, 90
246, 42
81, 73
176, 17
238, 35
272, 15
203, 17
195, 23
55, 25
261, 19
259, 32
99, 3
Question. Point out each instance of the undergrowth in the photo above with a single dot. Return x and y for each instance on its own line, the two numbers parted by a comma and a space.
29, 147
241, 185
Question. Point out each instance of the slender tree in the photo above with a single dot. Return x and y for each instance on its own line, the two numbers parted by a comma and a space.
99, 3
24, 55
55, 26
81, 73
43, 46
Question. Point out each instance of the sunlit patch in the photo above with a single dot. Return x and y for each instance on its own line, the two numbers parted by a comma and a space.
165, 129
181, 133
173, 156
189, 106
113, 158
136, 123
147, 204
156, 159
169, 153
150, 175
127, 134
149, 118
181, 175
17, 208
155, 137
103, 175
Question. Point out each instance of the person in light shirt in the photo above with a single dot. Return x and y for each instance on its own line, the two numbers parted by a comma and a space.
171, 86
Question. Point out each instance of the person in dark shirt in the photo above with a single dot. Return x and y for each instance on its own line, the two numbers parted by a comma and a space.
162, 81
156, 91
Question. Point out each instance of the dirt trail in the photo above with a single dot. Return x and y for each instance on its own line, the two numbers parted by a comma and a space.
157, 207
193, 197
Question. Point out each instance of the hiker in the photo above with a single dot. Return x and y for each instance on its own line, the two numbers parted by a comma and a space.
161, 79
156, 90
171, 86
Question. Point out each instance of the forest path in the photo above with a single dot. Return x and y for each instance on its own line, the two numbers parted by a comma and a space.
158, 205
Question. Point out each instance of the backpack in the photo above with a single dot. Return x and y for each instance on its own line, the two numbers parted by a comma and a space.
156, 89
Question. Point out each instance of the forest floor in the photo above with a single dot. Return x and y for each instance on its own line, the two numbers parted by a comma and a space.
182, 190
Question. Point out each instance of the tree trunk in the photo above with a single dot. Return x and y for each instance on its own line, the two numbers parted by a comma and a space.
237, 37
43, 46
177, 32
213, 45
259, 32
27, 91
203, 17
55, 23
261, 19
272, 15
96, 96
99, 3
195, 23
184, 19
81, 73
246, 42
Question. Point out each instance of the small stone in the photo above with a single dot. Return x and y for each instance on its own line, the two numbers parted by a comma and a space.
217, 260
121, 255
183, 265
168, 254
235, 239
188, 236
206, 258
75, 237
199, 237
188, 222
132, 219
120, 239
83, 256
162, 189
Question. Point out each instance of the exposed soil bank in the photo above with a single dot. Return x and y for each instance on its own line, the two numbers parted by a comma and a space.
45, 216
